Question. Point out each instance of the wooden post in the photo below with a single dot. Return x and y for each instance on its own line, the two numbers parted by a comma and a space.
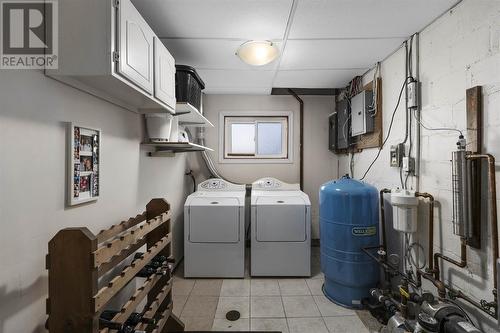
154, 208
475, 145
72, 282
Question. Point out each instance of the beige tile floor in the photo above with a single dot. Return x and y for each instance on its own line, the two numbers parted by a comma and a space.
288, 305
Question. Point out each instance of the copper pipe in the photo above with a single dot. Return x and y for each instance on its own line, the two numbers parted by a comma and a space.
441, 287
431, 227
493, 211
462, 263
382, 217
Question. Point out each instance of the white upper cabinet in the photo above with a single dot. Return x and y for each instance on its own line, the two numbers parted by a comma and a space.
164, 87
107, 49
135, 45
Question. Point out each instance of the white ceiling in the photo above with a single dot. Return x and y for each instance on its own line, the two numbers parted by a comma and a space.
323, 43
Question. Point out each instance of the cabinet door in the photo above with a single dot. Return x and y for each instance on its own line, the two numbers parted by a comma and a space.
164, 74
135, 45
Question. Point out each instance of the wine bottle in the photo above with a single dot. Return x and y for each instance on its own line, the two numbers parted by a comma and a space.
104, 323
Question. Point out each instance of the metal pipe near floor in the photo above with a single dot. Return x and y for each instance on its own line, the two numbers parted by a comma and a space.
493, 211
301, 137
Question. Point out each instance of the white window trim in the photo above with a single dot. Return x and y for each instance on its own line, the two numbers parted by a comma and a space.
222, 125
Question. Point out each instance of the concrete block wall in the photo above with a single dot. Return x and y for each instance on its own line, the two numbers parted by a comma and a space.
458, 51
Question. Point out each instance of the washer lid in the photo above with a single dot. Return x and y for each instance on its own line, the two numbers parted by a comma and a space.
214, 220
280, 200
280, 219
270, 197
207, 198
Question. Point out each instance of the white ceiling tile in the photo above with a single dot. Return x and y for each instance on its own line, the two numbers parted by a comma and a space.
364, 18
243, 19
211, 54
333, 78
336, 54
330, 41
235, 80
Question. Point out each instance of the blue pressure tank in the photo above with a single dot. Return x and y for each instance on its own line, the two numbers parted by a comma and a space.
348, 211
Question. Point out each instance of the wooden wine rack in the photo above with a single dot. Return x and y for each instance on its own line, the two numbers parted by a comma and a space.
77, 259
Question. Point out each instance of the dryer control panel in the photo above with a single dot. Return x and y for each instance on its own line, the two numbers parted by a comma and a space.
217, 184
213, 184
273, 184
268, 183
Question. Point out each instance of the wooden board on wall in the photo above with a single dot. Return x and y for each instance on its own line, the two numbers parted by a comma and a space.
475, 144
374, 139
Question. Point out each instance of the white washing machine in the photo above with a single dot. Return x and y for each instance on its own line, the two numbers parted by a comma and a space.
281, 229
214, 230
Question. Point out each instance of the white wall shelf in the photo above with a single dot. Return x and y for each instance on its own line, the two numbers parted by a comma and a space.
165, 149
191, 116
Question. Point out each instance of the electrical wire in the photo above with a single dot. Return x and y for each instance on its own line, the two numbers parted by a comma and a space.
389, 130
462, 309
373, 107
351, 165
344, 126
401, 177
412, 260
406, 93
409, 111
409, 152
190, 174
436, 128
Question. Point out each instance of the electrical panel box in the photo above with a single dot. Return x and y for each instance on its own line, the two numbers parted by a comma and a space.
343, 124
362, 117
332, 132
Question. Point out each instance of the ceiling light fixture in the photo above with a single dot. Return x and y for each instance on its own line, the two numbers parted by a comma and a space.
257, 53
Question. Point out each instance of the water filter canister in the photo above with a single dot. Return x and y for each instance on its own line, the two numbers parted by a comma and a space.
404, 210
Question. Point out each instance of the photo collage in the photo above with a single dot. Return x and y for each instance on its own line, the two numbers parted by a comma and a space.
86, 152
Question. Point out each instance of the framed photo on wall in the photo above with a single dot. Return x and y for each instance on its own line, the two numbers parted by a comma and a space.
83, 164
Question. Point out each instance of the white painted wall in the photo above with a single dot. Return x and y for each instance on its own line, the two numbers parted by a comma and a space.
33, 112
319, 164
460, 50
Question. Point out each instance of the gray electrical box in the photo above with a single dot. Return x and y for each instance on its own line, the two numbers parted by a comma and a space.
362, 114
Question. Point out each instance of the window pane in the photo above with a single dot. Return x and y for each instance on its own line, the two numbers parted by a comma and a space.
242, 139
269, 136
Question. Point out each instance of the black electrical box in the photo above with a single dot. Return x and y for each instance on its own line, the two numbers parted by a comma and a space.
343, 124
332, 132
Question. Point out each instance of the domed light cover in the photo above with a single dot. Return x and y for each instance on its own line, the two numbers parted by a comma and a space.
257, 53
